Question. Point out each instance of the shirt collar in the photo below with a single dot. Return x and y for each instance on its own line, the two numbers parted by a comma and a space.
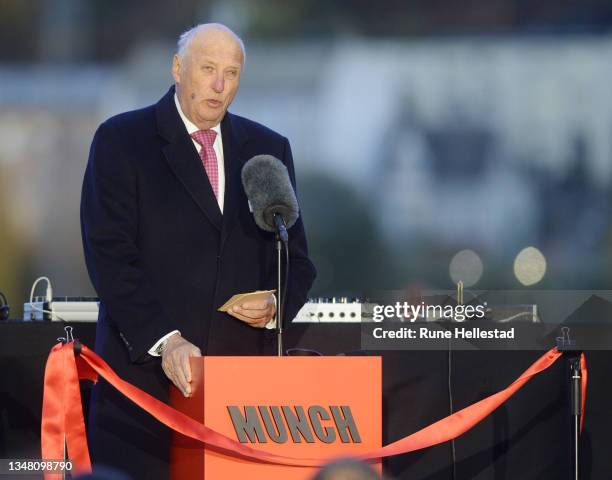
189, 125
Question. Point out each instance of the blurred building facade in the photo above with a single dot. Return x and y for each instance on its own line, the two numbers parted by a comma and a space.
419, 145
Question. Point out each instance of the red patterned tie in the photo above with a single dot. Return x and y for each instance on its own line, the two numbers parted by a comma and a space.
206, 138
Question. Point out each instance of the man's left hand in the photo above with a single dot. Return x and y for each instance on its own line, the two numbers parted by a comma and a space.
257, 313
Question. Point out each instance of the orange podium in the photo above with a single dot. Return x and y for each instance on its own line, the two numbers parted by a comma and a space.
301, 407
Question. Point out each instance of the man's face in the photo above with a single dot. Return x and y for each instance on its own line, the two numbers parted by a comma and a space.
207, 76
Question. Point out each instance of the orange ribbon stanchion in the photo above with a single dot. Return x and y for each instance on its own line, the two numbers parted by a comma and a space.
583, 388
62, 416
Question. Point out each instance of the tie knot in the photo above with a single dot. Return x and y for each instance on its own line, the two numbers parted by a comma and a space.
206, 138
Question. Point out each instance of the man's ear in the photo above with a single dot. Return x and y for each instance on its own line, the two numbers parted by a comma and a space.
176, 68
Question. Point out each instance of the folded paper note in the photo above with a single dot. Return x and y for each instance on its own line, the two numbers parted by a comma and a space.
242, 297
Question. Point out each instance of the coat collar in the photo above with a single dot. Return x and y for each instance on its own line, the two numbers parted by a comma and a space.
186, 165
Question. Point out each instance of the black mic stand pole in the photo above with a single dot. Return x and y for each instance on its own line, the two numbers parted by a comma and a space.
573, 354
282, 237
279, 298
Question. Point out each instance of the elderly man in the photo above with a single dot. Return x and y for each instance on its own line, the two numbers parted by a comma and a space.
168, 238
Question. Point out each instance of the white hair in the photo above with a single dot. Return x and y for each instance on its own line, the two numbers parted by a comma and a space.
186, 37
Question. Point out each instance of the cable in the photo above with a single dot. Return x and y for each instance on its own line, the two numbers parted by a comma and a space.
48, 297
48, 293
53, 314
5, 308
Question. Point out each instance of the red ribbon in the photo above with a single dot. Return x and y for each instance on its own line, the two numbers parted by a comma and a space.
62, 416
62, 412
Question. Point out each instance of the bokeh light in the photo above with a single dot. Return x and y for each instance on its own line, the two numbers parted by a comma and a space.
529, 266
466, 267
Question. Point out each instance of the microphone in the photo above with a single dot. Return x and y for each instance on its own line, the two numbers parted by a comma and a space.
267, 186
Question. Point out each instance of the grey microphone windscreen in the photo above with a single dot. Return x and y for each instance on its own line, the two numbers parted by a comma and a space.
268, 187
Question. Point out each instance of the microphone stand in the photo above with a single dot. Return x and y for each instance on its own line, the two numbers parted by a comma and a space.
279, 298
282, 238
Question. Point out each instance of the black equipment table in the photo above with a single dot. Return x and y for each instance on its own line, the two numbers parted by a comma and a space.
526, 438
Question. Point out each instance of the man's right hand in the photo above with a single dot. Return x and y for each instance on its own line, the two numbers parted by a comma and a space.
175, 362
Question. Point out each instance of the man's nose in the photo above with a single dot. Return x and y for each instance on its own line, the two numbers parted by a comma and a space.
218, 84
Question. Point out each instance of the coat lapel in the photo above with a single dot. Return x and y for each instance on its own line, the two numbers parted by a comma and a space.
234, 138
184, 160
